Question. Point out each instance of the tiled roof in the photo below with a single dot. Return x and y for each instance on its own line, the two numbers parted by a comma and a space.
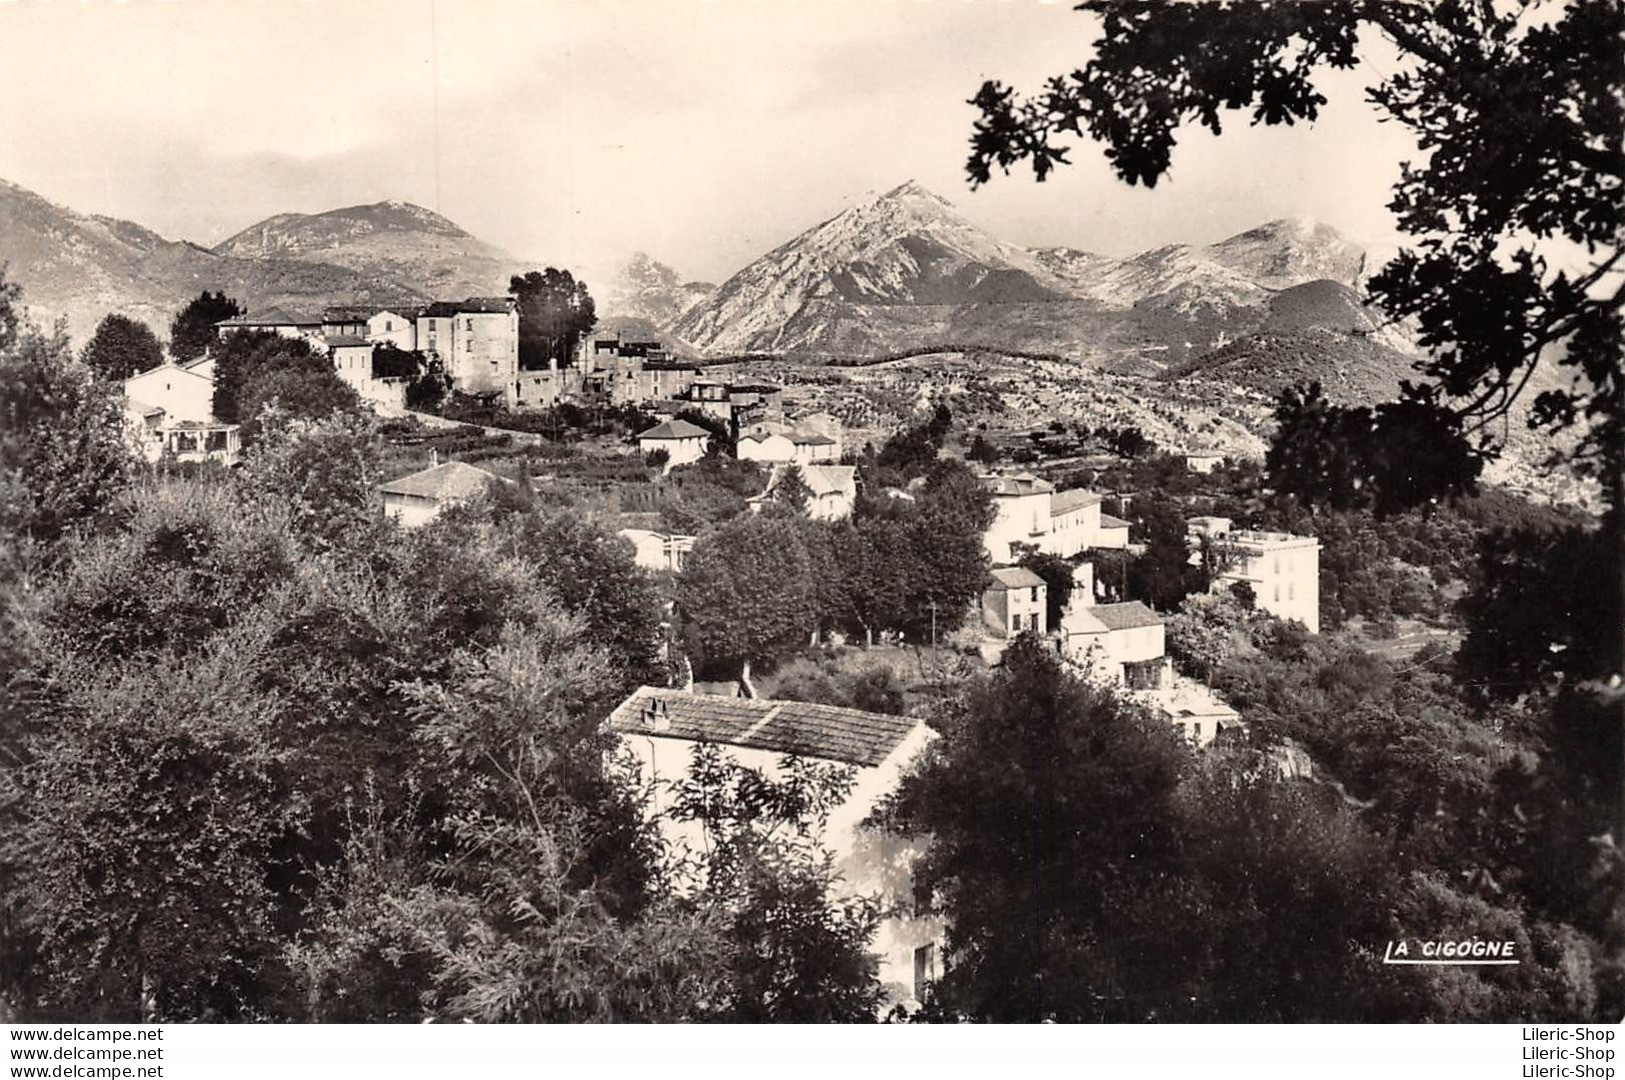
201, 425
271, 317
674, 429
802, 728
453, 480
1109, 522
811, 438
347, 313
1064, 501
1024, 484
830, 479
1016, 577
344, 341
474, 305
1130, 616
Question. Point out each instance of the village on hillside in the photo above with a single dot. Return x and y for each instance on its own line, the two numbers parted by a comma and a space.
915, 610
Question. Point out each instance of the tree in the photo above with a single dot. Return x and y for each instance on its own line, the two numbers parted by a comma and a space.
192, 332
793, 950
1040, 791
747, 592
982, 451
596, 579
254, 368
63, 457
391, 362
722, 432
305, 391
555, 312
11, 296
1162, 575
323, 473
791, 490
122, 347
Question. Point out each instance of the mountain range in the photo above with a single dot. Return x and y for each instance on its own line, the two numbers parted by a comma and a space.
905, 269
80, 267
899, 271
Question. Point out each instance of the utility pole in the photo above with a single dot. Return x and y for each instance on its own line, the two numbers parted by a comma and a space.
933, 626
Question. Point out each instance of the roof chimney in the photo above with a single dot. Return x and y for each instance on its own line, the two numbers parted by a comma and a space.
434, 458
654, 715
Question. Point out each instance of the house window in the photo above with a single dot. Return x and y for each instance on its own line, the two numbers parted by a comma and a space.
389, 324
1035, 594
1277, 594
1198, 727
925, 969
468, 324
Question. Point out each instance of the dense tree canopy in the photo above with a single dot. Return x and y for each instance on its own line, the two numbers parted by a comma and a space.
63, 458
254, 368
555, 312
122, 347
192, 332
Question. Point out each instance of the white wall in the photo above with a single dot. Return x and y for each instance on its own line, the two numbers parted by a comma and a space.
410, 510
775, 449
1018, 517
182, 394
678, 451
1286, 580
393, 328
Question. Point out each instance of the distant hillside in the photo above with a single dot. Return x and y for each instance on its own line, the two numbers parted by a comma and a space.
394, 241
81, 267
1314, 332
1351, 369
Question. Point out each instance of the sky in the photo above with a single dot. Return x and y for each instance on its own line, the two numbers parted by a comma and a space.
574, 132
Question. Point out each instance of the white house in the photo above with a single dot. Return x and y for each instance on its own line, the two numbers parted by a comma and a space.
658, 551
169, 410
813, 448
682, 441
420, 497
1074, 522
1124, 643
1022, 513
391, 327
352, 359
662, 728
1283, 570
476, 340
1111, 533
769, 447
832, 491
1194, 709
183, 393
1015, 602
1028, 510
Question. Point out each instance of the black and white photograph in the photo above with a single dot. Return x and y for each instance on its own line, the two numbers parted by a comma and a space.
842, 512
